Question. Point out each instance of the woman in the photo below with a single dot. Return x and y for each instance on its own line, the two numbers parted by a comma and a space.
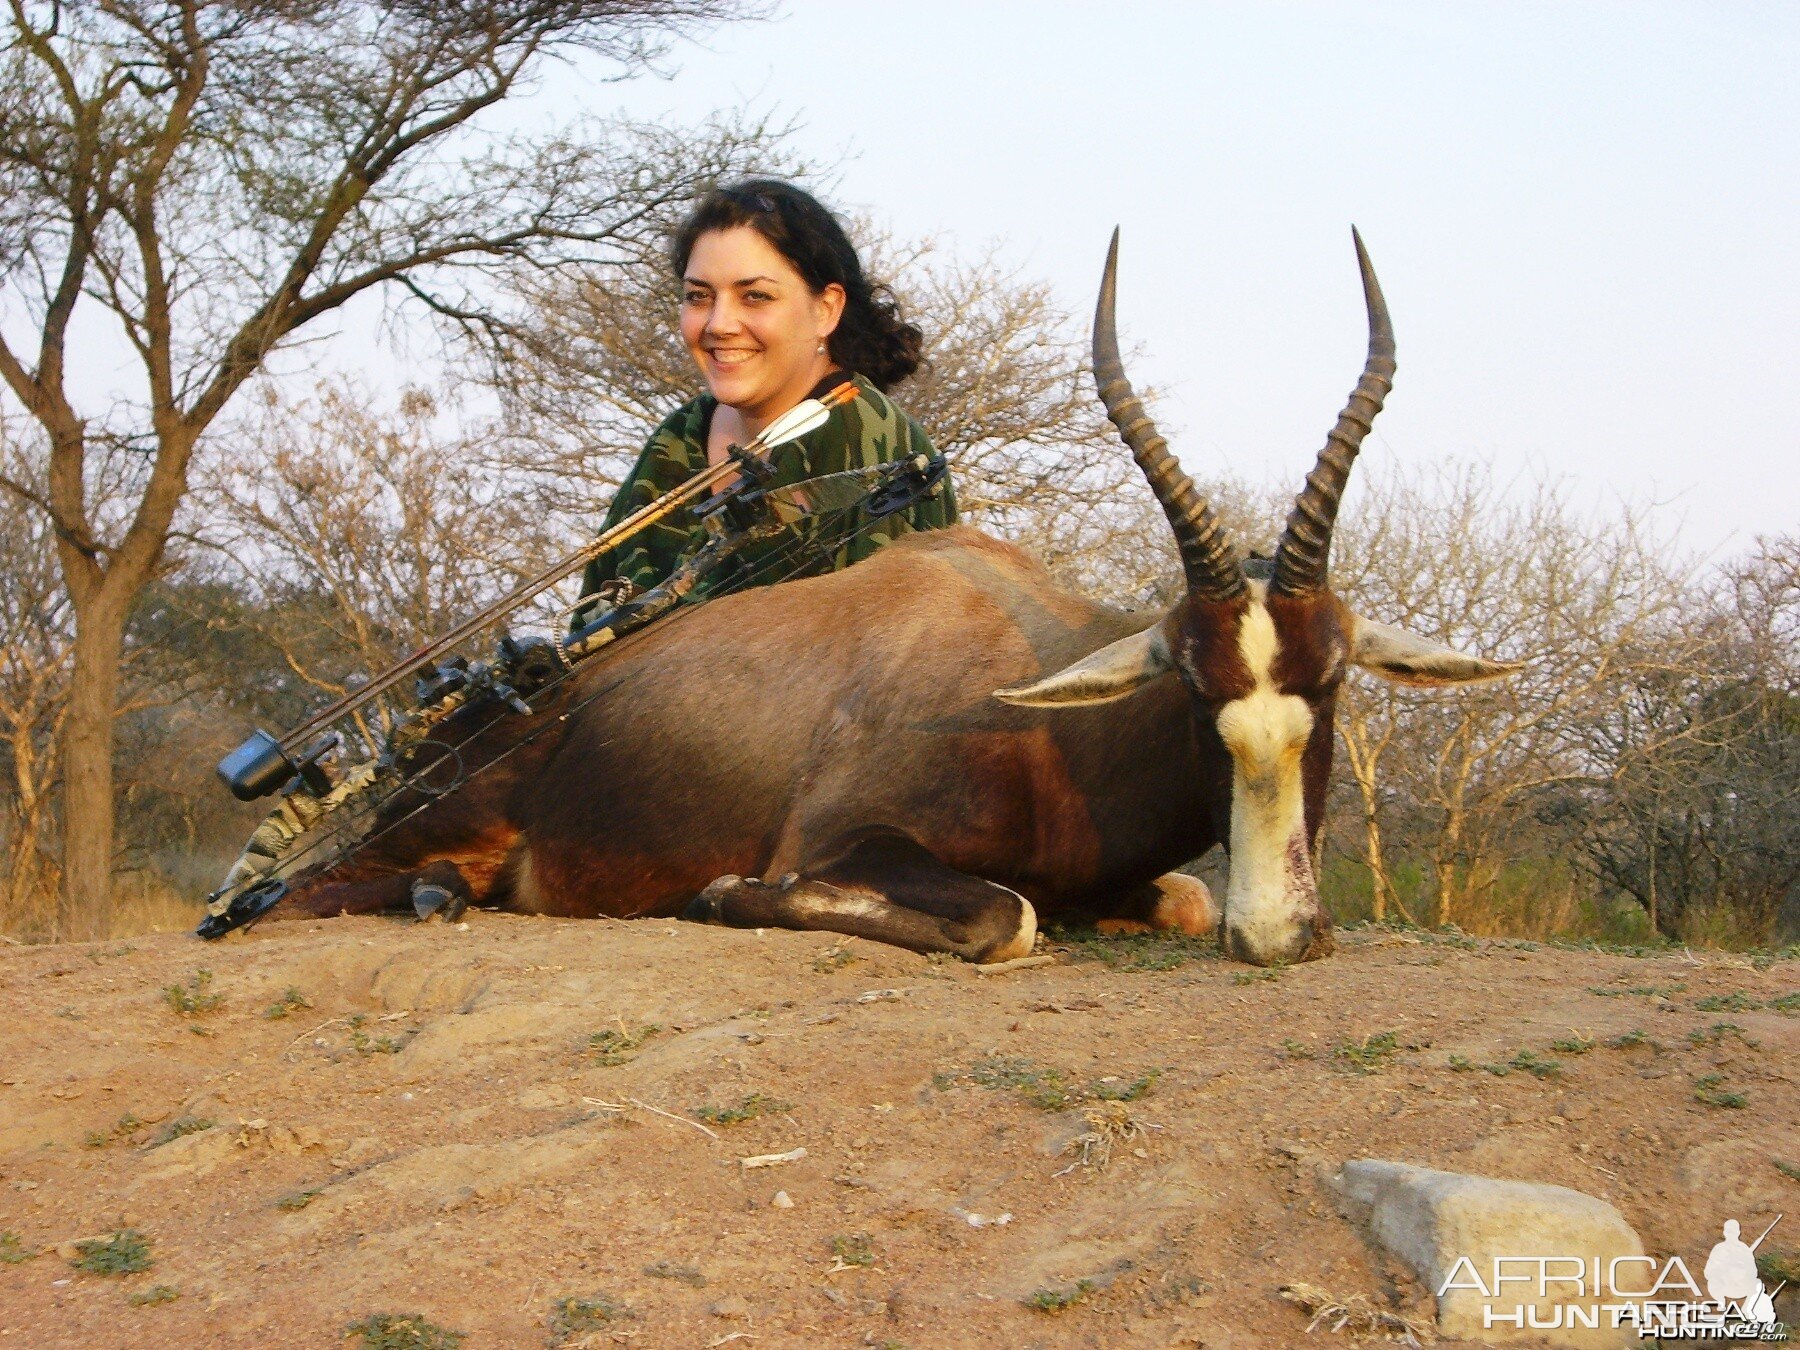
775, 309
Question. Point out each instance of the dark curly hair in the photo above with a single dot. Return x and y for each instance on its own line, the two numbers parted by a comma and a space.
871, 338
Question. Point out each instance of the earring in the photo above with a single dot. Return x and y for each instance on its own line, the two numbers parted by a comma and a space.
821, 349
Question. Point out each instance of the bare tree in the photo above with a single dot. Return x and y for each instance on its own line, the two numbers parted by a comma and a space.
1517, 576
35, 645
356, 536
1698, 818
210, 178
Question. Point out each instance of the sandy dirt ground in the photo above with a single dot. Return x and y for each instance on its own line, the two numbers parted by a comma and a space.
531, 1131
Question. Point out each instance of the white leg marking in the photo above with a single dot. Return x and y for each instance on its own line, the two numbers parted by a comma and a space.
1025, 938
527, 895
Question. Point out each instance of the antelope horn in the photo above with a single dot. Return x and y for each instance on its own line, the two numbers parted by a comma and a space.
1207, 554
1301, 561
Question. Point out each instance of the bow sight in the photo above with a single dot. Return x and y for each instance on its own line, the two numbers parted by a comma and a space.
323, 818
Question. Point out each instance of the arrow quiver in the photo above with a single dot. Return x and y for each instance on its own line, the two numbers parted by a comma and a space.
322, 820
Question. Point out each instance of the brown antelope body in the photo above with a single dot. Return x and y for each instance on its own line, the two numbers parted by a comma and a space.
938, 746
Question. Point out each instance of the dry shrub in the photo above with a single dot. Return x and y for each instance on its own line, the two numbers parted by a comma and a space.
1356, 1315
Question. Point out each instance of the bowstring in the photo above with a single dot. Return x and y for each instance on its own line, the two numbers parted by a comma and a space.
798, 551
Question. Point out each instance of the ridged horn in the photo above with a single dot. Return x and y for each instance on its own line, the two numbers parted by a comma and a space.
1305, 553
1207, 554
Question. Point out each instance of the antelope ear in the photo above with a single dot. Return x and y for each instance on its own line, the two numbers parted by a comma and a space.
1395, 654
1112, 672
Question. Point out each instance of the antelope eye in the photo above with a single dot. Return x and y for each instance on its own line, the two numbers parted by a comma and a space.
1202, 689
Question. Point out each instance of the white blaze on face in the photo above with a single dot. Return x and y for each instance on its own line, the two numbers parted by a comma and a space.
1271, 889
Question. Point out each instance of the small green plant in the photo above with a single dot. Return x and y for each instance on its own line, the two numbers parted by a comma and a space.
402, 1331
571, 1317
1641, 990
195, 997
1462, 1064
1118, 1090
1779, 1267
756, 1104
1292, 1049
1045, 1088
365, 1044
1371, 1054
291, 1001
1787, 1169
1718, 1031
1732, 1002
1460, 941
1528, 1061
179, 1126
161, 1293
1054, 1301
13, 1250
1254, 976
855, 1249
1786, 1003
126, 1252
127, 1124
294, 1200
833, 959
1136, 952
612, 1048
669, 1270
1708, 1093
1636, 950
939, 965
1574, 1045
1629, 1040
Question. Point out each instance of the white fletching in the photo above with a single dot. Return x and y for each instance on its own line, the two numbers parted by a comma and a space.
793, 424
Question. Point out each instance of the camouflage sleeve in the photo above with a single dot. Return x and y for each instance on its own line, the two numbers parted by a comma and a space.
670, 457
888, 434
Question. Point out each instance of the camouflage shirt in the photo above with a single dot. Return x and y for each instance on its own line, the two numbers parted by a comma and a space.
867, 431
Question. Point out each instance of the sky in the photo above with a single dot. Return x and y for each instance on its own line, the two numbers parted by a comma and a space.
1586, 216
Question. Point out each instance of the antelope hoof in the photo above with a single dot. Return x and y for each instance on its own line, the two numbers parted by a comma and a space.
430, 900
709, 905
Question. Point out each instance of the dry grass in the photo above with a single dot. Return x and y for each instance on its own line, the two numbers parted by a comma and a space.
142, 902
1356, 1315
1109, 1124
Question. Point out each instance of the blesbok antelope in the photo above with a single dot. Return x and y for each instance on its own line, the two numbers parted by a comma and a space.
881, 752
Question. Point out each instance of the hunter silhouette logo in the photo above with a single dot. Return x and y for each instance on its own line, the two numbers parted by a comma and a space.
1732, 1280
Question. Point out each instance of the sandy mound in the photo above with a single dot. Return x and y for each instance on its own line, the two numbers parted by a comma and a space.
469, 1124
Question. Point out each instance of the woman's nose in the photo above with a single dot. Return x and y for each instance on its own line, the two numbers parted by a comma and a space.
722, 317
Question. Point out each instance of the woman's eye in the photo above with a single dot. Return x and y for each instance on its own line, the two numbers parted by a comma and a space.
757, 295
696, 297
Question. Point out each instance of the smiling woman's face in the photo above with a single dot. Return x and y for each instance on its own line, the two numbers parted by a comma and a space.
752, 324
